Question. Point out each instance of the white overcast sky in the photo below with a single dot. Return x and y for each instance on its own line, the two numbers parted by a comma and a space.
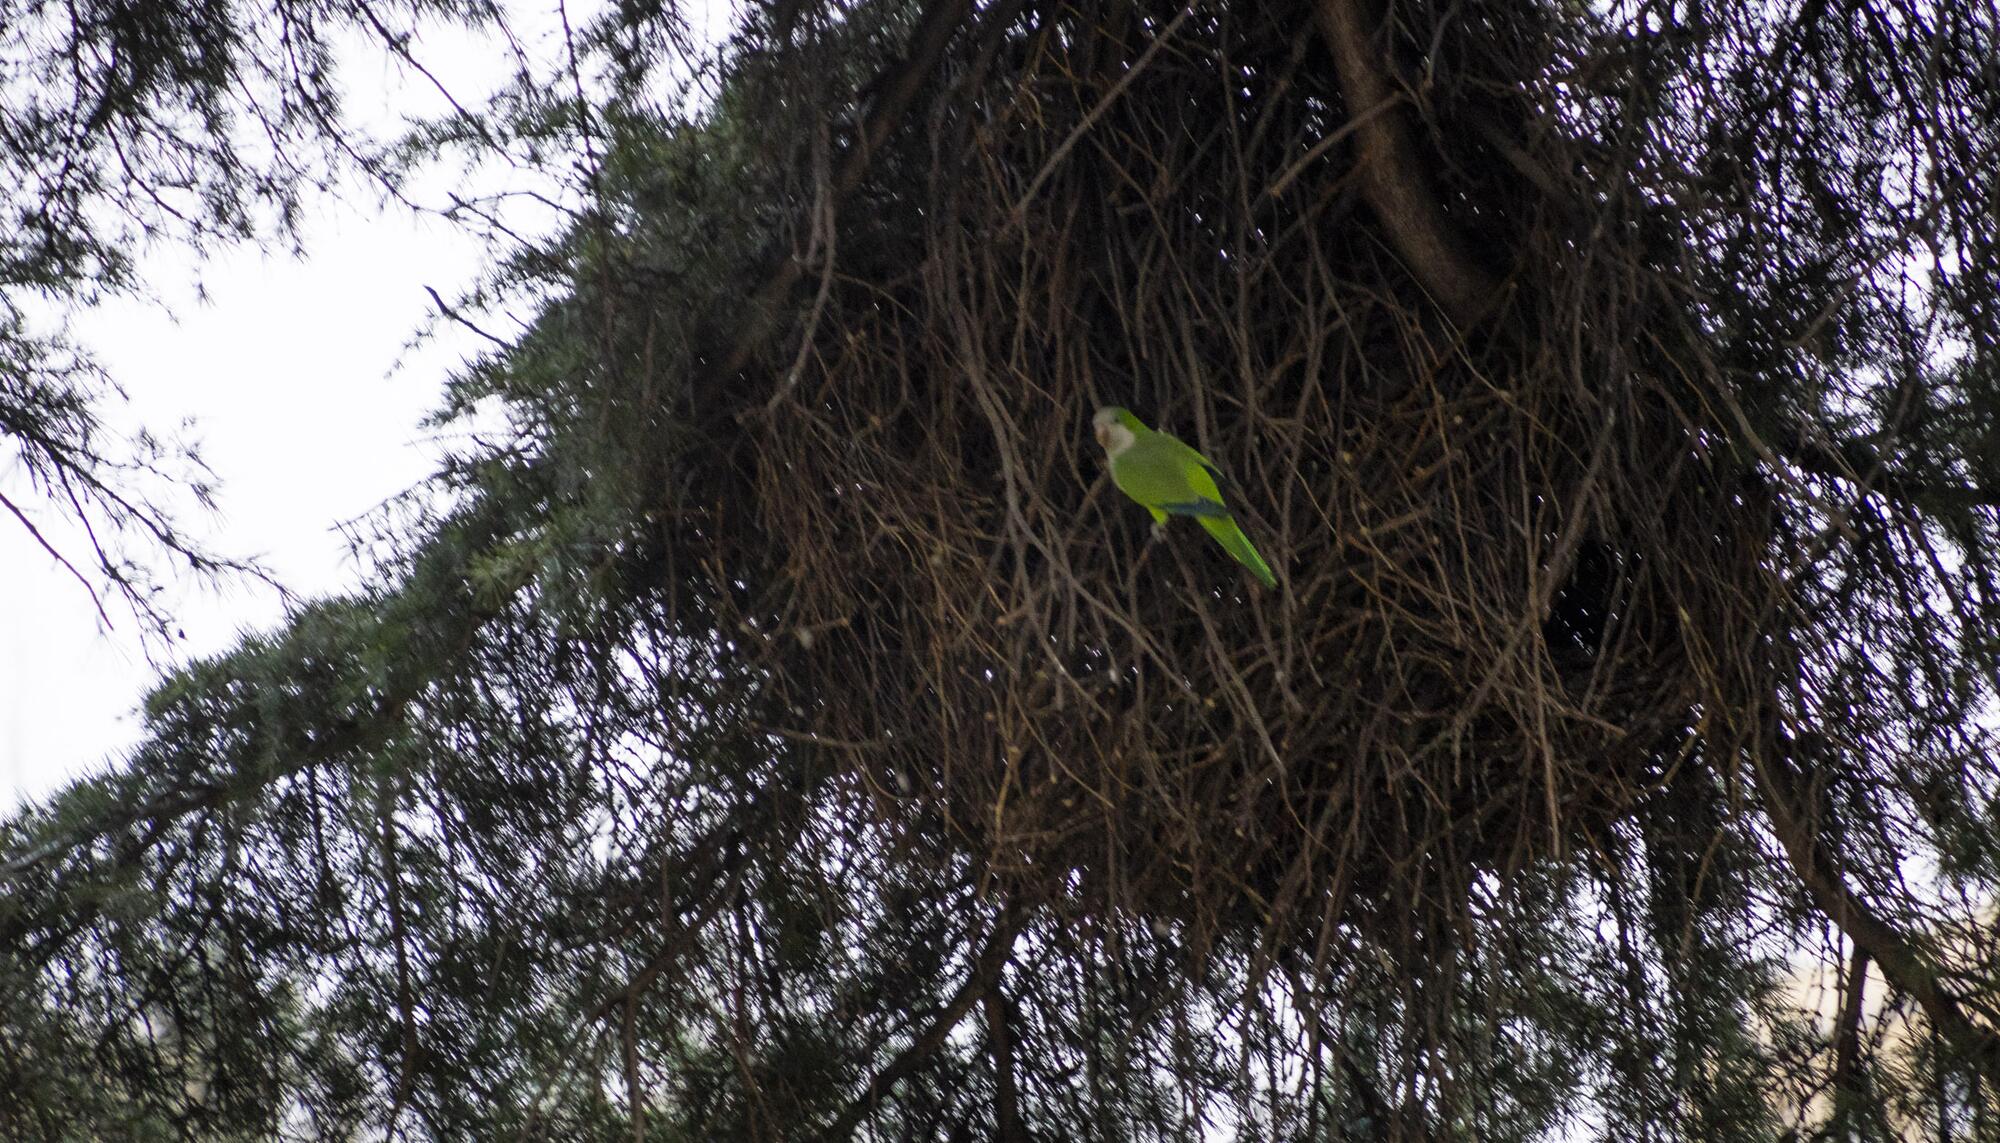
306, 399
286, 376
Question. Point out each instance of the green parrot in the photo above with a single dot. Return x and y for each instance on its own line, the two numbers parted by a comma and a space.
1169, 478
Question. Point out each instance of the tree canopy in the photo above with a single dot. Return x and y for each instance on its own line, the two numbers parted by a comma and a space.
127, 126
783, 730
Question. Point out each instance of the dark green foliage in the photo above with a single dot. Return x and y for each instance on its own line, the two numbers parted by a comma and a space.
660, 785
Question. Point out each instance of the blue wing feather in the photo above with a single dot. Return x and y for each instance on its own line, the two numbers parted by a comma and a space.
1207, 508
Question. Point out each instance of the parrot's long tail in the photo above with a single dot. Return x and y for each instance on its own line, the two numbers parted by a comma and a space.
1233, 541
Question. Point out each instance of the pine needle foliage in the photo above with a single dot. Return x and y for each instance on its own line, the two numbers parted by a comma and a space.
127, 127
786, 732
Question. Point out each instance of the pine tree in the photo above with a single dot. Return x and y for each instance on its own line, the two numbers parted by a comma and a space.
783, 732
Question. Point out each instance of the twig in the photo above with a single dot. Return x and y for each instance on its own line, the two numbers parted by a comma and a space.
457, 318
1020, 212
50, 548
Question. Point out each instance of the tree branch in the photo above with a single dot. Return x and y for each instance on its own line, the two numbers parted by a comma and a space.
1847, 1079
896, 87
1901, 964
1392, 177
57, 556
984, 976
1856, 463
1007, 1124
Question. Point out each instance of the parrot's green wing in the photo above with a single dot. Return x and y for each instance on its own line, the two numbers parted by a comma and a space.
1170, 478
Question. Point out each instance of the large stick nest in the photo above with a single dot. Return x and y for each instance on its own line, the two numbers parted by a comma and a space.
1515, 561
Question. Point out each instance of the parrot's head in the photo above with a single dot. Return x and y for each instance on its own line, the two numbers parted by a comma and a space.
1116, 428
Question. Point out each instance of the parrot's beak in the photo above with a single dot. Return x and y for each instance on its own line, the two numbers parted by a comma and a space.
1104, 436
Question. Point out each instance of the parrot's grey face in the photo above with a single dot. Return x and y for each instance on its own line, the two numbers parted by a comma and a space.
1115, 438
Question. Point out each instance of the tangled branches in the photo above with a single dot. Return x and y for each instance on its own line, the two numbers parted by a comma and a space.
1612, 390
1540, 565
1512, 570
